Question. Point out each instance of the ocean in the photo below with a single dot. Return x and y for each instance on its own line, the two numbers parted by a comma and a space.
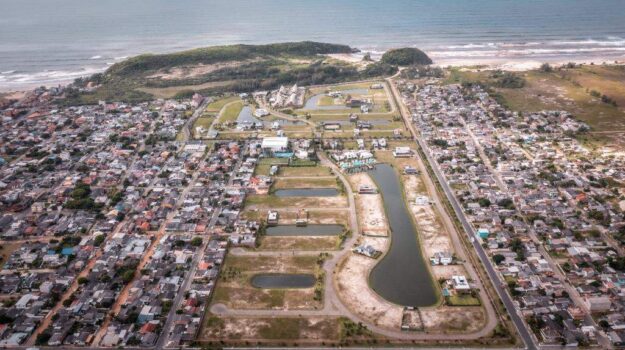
54, 41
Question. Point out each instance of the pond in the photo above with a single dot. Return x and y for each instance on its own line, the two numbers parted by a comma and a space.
307, 192
247, 117
309, 230
313, 102
402, 276
283, 280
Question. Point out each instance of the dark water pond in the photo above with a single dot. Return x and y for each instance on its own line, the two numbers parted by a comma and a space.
402, 276
309, 230
283, 280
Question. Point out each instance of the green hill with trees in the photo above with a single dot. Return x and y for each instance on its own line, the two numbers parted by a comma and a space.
233, 68
407, 56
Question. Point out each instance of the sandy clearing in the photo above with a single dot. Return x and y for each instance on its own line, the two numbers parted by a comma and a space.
353, 288
195, 70
370, 207
433, 236
453, 319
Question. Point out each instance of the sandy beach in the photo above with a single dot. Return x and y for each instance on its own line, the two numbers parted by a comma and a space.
516, 64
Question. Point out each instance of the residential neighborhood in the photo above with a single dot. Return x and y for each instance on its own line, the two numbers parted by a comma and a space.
544, 208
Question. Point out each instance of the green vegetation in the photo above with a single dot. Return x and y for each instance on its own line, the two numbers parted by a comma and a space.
231, 112
507, 80
217, 105
462, 300
80, 198
350, 329
407, 56
219, 69
216, 54
416, 72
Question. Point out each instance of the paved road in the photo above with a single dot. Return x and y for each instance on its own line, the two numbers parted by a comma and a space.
518, 321
186, 129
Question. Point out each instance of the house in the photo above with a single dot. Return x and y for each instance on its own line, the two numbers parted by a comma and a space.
367, 190
422, 201
402, 152
598, 304
408, 170
271, 145
441, 258
367, 251
272, 217
460, 284
260, 112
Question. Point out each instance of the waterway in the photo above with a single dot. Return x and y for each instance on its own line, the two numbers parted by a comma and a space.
307, 192
309, 230
402, 276
247, 117
280, 280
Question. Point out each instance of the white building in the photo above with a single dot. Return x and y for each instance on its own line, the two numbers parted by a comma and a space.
460, 283
402, 152
260, 112
275, 144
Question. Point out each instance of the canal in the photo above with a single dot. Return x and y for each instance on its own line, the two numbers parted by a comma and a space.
309, 230
283, 280
402, 276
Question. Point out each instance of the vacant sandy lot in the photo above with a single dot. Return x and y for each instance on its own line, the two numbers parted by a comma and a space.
261, 328
299, 243
372, 219
453, 319
353, 288
433, 236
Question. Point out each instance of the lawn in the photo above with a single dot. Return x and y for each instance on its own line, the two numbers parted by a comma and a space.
304, 171
314, 182
264, 165
217, 105
462, 300
204, 122
299, 243
235, 290
231, 112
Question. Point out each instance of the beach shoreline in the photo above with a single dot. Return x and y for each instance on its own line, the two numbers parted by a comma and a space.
517, 64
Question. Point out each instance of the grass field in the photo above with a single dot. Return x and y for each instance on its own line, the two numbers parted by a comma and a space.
299, 243
217, 105
204, 122
235, 290
231, 112
319, 182
462, 300
304, 171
